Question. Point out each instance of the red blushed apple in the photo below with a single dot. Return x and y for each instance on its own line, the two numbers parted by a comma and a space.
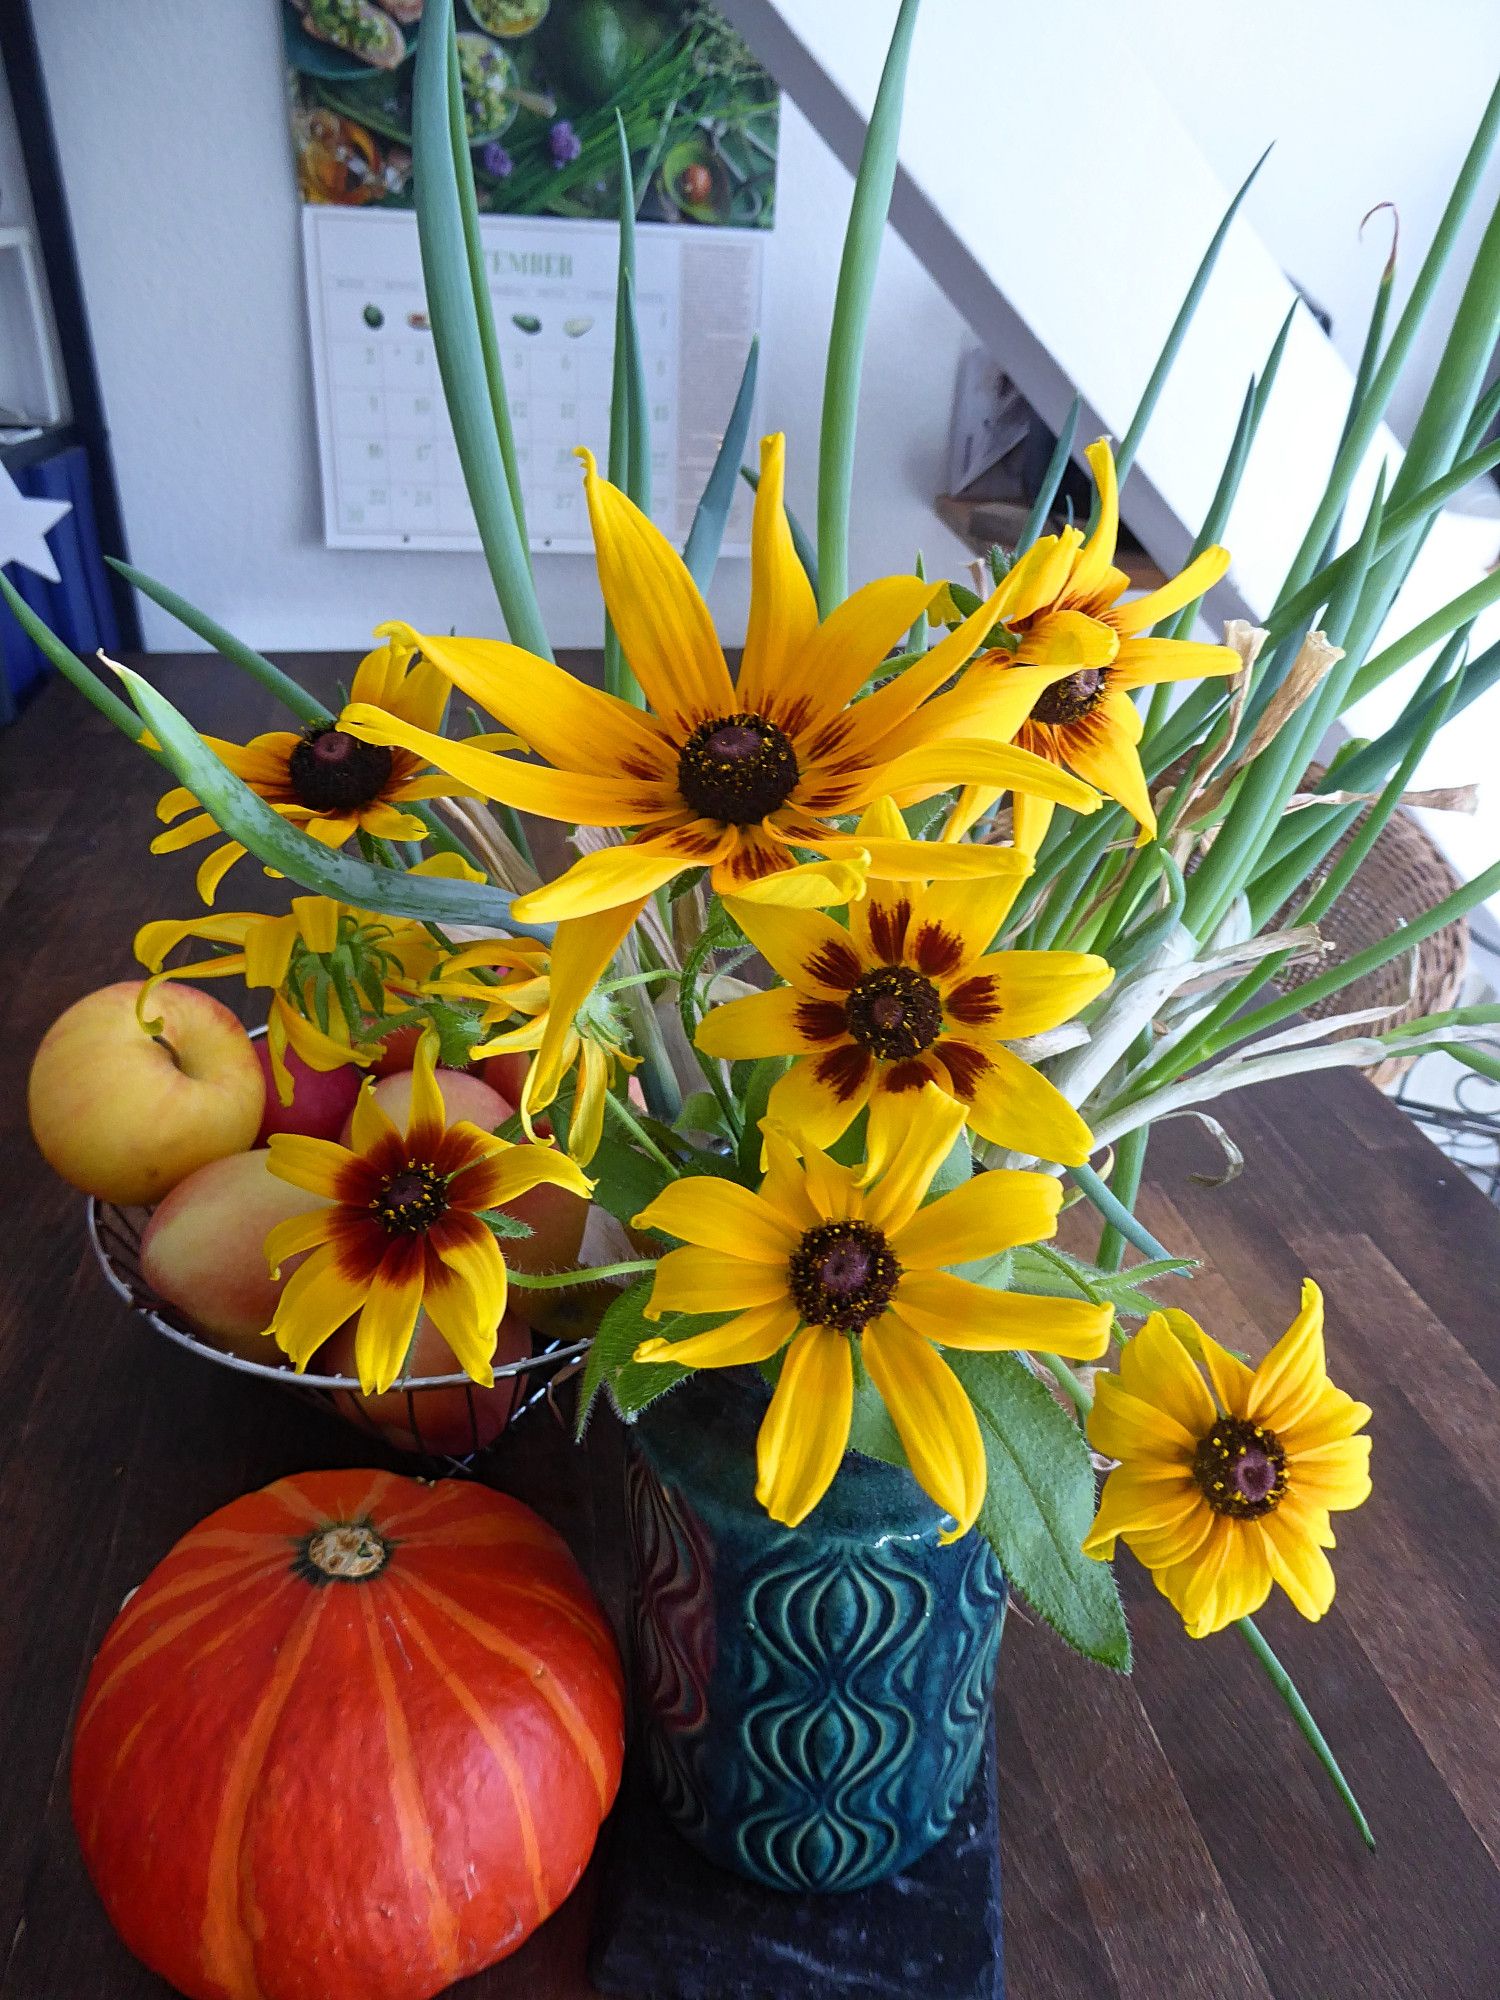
321, 1099
464, 1096
398, 1052
204, 1251
125, 1115
447, 1423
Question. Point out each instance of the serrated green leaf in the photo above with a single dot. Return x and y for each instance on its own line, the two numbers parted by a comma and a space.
956, 1168
633, 1385
1040, 1504
500, 1224
763, 1074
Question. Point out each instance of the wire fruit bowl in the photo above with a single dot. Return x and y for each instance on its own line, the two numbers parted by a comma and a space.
115, 1235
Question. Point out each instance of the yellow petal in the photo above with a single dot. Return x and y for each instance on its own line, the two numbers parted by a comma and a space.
1147, 662
318, 1298
448, 1302
370, 1124
603, 880
853, 639
515, 1170
1289, 1381
387, 1323
957, 1313
214, 868
426, 1117
875, 726
297, 1233
1298, 1565
1068, 639
804, 947
761, 1024
783, 610
936, 1121
933, 1417
1096, 558
562, 718
740, 1342
987, 1214
1038, 990
1015, 1106
1031, 819
720, 1215
1123, 1426
818, 1110
314, 1164
580, 951
805, 1431
958, 762
708, 1281
656, 608
604, 800
1102, 749
809, 885
468, 1248
1335, 1475
1038, 578
1141, 1500
1201, 574
931, 860
1156, 1367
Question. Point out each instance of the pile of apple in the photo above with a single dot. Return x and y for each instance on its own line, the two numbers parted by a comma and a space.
181, 1129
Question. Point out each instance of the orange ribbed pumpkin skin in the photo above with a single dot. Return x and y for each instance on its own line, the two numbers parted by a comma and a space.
359, 1787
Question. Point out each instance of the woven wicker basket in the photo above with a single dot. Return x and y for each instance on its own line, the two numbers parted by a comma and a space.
1401, 878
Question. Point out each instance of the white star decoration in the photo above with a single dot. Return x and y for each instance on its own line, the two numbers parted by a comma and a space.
24, 523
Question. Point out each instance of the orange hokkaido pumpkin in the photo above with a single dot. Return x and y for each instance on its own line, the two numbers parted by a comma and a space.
352, 1739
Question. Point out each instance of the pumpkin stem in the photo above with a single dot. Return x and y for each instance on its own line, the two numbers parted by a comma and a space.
343, 1552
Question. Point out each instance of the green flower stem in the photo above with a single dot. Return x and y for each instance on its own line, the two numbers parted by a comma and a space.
851, 315
586, 1274
1052, 478
1114, 1211
639, 1133
1130, 1160
1249, 1631
1286, 1687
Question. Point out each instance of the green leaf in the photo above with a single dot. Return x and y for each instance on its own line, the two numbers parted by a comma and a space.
1040, 1504
634, 1385
498, 1223
705, 538
957, 1167
279, 844
625, 1180
765, 1073
73, 669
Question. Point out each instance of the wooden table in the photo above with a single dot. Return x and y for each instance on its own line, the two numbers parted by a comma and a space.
1166, 1837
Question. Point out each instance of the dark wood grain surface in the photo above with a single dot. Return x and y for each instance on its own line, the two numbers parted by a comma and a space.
1165, 1837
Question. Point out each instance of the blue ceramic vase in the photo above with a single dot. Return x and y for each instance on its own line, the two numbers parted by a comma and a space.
813, 1702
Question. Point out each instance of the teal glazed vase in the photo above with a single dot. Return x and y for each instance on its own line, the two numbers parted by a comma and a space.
813, 1703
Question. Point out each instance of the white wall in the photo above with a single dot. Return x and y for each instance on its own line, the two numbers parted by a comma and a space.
1367, 101
173, 135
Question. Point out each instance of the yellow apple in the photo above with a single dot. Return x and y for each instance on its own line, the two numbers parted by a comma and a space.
125, 1115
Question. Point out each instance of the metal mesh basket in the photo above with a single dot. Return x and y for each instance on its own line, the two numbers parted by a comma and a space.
115, 1235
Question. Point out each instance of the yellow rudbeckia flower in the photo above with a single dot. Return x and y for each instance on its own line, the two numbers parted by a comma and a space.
1224, 1488
515, 1004
326, 781
1064, 692
402, 1232
729, 774
905, 994
816, 1262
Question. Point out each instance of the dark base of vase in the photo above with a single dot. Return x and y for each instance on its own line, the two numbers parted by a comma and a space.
669, 1925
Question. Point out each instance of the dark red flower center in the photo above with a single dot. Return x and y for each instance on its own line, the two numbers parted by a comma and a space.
1072, 699
411, 1199
331, 771
1240, 1468
894, 1012
842, 1274
737, 769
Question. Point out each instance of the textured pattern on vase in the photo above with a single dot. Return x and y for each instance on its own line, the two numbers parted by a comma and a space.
674, 1634
815, 1709
845, 1767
